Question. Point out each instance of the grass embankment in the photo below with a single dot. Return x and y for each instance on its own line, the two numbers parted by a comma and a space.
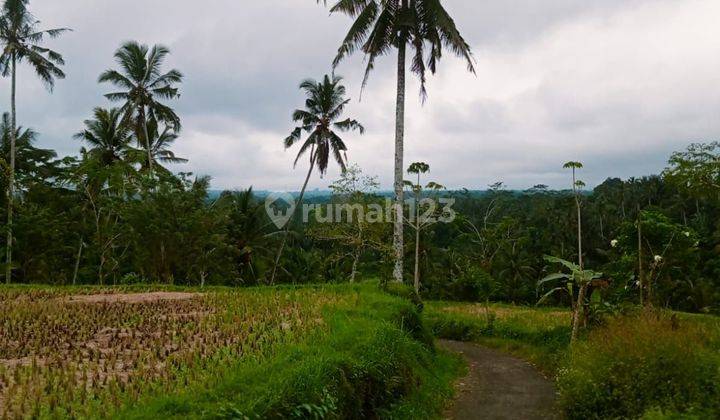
540, 335
652, 364
324, 352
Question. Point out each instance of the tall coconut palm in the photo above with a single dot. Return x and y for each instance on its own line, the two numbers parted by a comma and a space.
21, 40
143, 86
109, 157
381, 25
161, 138
107, 135
324, 106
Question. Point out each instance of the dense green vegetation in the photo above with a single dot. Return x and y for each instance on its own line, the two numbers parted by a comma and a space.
117, 214
322, 352
648, 363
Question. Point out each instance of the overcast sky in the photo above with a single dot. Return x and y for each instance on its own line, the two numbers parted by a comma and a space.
616, 84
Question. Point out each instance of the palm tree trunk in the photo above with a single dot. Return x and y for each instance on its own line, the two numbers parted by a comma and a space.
287, 225
147, 140
398, 238
11, 177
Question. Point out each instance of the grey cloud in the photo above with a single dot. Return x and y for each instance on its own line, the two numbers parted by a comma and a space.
550, 86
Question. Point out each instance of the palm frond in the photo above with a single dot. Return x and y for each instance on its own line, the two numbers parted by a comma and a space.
360, 29
350, 124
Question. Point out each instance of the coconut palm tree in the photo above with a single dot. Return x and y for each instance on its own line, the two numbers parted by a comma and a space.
324, 106
110, 155
381, 25
160, 142
107, 135
143, 85
21, 40
248, 229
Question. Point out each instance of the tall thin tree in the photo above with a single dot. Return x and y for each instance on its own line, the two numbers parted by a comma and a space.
576, 186
581, 307
144, 85
420, 221
21, 40
324, 106
382, 25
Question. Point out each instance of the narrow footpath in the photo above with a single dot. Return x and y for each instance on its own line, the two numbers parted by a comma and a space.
500, 386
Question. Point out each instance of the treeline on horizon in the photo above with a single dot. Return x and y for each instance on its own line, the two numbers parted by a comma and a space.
166, 230
117, 214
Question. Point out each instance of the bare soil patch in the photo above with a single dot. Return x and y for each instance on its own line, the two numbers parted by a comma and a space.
133, 297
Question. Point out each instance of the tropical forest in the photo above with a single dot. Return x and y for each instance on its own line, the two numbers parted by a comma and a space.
134, 286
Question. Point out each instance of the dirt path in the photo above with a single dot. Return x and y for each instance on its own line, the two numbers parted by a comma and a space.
500, 386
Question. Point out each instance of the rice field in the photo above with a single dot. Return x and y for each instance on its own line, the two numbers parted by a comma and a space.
64, 354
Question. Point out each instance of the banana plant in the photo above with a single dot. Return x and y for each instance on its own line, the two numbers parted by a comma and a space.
577, 279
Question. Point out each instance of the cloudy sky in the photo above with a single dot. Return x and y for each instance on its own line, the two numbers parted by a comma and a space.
617, 84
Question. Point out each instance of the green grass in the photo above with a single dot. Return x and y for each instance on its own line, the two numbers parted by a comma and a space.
539, 335
309, 352
654, 364
375, 359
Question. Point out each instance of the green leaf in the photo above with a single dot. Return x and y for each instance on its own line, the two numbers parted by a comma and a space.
568, 264
551, 277
550, 293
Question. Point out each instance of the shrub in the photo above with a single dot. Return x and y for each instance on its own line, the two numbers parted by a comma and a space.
472, 284
646, 363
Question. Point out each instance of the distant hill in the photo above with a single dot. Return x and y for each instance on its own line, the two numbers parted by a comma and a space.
320, 195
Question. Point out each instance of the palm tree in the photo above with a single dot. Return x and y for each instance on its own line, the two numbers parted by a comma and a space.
381, 25
160, 142
324, 106
247, 230
21, 40
110, 156
143, 85
107, 135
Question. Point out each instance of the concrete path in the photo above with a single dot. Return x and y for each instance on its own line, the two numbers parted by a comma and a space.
500, 386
